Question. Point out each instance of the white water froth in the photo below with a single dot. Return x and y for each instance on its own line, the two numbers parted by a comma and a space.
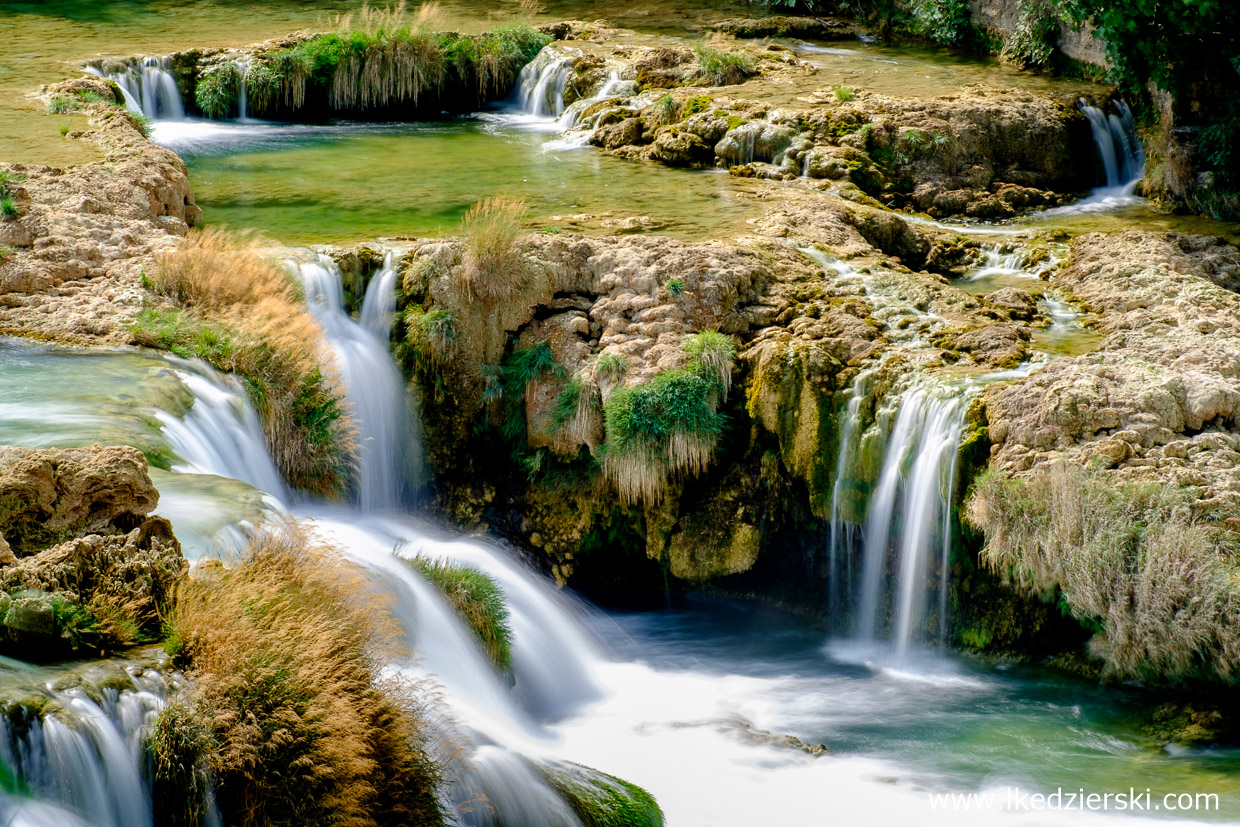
149, 88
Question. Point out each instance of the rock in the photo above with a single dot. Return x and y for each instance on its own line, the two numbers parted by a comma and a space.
611, 136
811, 28
6, 554
822, 163
679, 148
1018, 304
753, 141
47, 495
32, 613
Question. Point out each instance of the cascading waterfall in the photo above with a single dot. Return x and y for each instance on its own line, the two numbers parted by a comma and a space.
379, 305
149, 88
541, 83
373, 388
842, 532
84, 755
910, 511
1115, 135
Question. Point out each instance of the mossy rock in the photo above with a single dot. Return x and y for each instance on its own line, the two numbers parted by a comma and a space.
602, 800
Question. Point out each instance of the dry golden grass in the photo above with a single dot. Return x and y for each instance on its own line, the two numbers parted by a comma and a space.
493, 268
287, 650
243, 313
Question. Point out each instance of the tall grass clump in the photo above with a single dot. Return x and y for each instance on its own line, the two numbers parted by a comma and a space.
669, 426
576, 409
218, 90
721, 66
479, 601
389, 57
243, 314
492, 267
288, 655
1158, 584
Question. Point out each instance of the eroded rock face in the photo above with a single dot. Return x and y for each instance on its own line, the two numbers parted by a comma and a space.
48, 495
1160, 398
83, 237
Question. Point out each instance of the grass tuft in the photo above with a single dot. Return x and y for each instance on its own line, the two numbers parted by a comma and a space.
725, 67
61, 105
492, 268
478, 599
218, 90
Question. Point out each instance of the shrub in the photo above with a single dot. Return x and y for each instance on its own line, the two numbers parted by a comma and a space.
432, 335
9, 208
575, 409
844, 94
243, 314
218, 90
287, 654
262, 86
492, 268
178, 745
712, 352
718, 67
479, 601
1033, 40
943, 21
1131, 561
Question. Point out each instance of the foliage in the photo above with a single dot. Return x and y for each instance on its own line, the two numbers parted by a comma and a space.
478, 599
602, 800
492, 268
844, 94
576, 409
61, 105
663, 110
431, 336
943, 21
712, 352
178, 745
8, 207
6, 252
289, 654
508, 384
611, 366
1032, 42
1159, 584
720, 67
675, 287
218, 90
243, 314
140, 122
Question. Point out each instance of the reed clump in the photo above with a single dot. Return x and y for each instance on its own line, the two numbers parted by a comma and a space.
492, 267
290, 712
385, 58
721, 64
1157, 583
669, 426
243, 314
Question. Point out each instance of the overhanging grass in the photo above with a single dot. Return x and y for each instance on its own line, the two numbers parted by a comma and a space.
478, 600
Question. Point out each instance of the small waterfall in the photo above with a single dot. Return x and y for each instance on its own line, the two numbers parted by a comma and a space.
540, 86
910, 511
1115, 135
149, 88
83, 756
220, 433
242, 97
842, 532
373, 387
379, 305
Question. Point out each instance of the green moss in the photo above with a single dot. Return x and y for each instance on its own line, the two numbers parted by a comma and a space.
694, 105
177, 746
6, 252
602, 800
479, 601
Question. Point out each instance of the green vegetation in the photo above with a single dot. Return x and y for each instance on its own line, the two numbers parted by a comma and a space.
61, 105
243, 314
612, 366
1033, 41
91, 96
696, 104
943, 21
6, 252
141, 122
675, 287
478, 599
725, 68
576, 409
844, 93
8, 207
292, 704
602, 800
218, 90
64, 129
431, 336
388, 59
1157, 583
177, 746
663, 110
492, 268
670, 425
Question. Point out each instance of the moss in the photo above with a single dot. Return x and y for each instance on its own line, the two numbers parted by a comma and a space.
695, 105
177, 746
602, 800
478, 599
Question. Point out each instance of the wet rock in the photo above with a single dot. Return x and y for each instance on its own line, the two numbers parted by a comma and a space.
612, 136
754, 141
1018, 304
679, 148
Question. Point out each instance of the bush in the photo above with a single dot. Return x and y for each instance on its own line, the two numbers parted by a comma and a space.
712, 352
492, 268
61, 105
178, 745
9, 208
243, 314
611, 366
431, 336
1033, 40
575, 410
218, 90
1160, 586
287, 653
478, 600
725, 68
943, 21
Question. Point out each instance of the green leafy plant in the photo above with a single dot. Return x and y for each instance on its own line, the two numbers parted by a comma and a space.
943, 21
844, 94
1032, 42
218, 90
61, 105
478, 599
64, 129
8, 207
663, 110
719, 67
675, 287
492, 267
612, 366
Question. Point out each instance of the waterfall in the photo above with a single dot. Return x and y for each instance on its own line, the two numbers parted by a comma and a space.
149, 88
541, 83
373, 386
379, 305
1115, 135
242, 97
840, 540
83, 754
910, 511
